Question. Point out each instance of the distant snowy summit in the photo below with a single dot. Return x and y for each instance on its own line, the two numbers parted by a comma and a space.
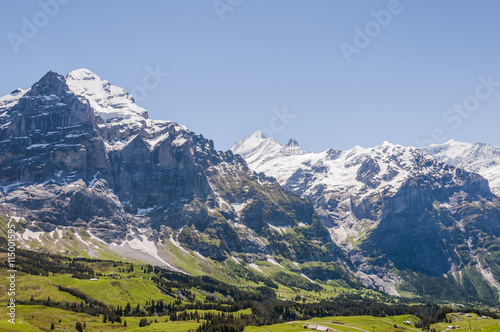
480, 158
264, 154
358, 170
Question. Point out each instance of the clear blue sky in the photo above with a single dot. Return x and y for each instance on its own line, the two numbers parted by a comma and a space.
227, 76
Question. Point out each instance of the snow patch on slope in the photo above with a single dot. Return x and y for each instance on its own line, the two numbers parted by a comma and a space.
272, 261
280, 229
77, 235
177, 244
238, 207
28, 234
146, 246
308, 279
255, 267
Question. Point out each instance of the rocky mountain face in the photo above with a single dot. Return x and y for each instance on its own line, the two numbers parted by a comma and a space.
403, 217
480, 158
77, 153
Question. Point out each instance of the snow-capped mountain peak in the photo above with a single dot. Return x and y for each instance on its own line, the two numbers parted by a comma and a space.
82, 74
257, 145
258, 134
108, 101
481, 158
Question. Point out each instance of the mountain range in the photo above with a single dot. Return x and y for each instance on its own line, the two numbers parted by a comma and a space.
405, 216
85, 172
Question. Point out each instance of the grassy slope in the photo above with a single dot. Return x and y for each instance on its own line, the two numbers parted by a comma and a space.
190, 262
378, 324
135, 287
39, 318
131, 288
